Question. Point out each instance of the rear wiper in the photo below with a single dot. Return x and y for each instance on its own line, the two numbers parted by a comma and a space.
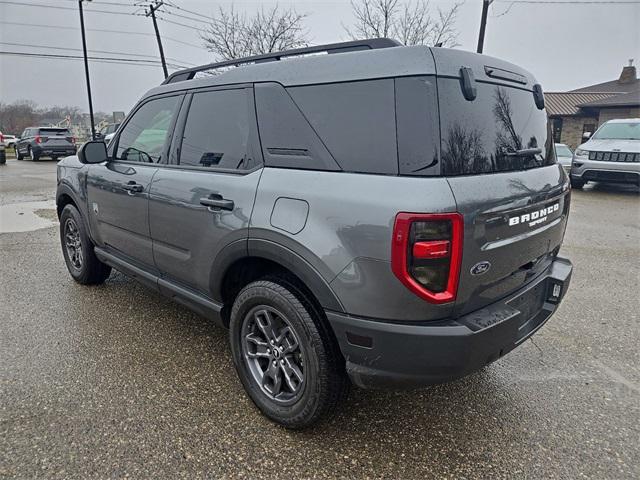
525, 152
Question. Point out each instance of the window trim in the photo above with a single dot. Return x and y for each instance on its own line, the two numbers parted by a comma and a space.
113, 146
178, 134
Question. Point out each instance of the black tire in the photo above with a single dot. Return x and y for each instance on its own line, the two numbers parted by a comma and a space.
19, 156
576, 183
324, 383
84, 267
32, 156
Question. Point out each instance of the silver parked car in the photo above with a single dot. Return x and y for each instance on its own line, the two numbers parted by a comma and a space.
564, 156
612, 154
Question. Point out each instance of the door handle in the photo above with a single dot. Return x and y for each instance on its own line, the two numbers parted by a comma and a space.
216, 201
133, 187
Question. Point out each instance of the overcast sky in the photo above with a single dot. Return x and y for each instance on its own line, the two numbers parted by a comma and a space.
565, 46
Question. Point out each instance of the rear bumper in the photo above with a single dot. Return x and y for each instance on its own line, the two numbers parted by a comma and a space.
54, 151
382, 355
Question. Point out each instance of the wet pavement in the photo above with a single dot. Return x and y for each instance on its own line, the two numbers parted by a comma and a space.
117, 381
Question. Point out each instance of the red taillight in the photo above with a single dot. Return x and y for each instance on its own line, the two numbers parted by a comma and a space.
38, 139
426, 253
1, 138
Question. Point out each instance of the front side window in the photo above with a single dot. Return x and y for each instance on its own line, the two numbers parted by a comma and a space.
216, 133
144, 136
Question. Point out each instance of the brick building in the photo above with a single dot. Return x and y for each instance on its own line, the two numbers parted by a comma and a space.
581, 111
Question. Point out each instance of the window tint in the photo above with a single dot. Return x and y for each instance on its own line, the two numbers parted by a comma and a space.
483, 135
417, 126
356, 122
54, 131
216, 133
287, 139
144, 136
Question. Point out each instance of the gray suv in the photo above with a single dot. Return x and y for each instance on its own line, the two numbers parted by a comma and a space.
38, 142
379, 215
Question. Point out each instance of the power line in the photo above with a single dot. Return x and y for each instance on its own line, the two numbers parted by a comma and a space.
197, 14
182, 25
99, 30
112, 60
113, 4
58, 7
28, 45
186, 17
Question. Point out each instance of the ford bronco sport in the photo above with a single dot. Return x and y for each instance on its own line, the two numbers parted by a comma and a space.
379, 215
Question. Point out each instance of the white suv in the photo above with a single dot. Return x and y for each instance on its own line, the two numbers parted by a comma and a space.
612, 154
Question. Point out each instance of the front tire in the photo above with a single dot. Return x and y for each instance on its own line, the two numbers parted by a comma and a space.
285, 357
77, 248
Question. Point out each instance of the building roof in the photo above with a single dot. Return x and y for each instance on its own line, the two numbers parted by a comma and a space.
568, 103
630, 99
613, 86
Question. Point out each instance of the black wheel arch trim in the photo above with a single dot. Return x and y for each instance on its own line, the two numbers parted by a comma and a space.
287, 258
65, 189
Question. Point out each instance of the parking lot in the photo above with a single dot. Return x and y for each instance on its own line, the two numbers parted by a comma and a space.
117, 381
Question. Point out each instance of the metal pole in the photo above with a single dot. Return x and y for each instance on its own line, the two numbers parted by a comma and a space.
483, 23
152, 12
86, 71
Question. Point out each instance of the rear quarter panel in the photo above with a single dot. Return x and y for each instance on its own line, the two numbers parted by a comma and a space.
346, 235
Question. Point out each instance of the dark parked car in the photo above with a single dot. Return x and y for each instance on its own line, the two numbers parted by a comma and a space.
38, 142
379, 215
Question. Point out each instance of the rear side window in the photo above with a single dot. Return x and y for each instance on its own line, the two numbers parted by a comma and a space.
216, 133
417, 126
484, 135
355, 121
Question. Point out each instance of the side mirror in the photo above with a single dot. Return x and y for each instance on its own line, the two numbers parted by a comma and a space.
94, 151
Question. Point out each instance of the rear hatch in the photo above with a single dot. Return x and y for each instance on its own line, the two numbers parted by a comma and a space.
56, 137
498, 156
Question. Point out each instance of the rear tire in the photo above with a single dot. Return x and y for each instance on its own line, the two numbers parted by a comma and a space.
286, 359
577, 184
32, 156
77, 248
19, 156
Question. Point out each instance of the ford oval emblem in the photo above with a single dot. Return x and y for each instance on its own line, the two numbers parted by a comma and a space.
480, 268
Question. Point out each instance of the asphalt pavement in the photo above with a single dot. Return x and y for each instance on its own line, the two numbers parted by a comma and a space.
116, 381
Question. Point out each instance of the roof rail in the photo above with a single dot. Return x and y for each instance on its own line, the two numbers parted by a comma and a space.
370, 44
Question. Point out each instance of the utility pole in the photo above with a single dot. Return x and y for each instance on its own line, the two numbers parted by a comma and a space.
483, 23
152, 12
86, 69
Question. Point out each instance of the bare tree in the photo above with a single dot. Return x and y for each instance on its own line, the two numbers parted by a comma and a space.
411, 22
235, 35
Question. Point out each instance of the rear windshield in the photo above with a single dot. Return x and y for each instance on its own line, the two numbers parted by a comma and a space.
500, 130
54, 131
618, 131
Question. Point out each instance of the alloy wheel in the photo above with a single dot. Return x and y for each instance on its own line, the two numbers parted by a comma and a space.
273, 354
73, 243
